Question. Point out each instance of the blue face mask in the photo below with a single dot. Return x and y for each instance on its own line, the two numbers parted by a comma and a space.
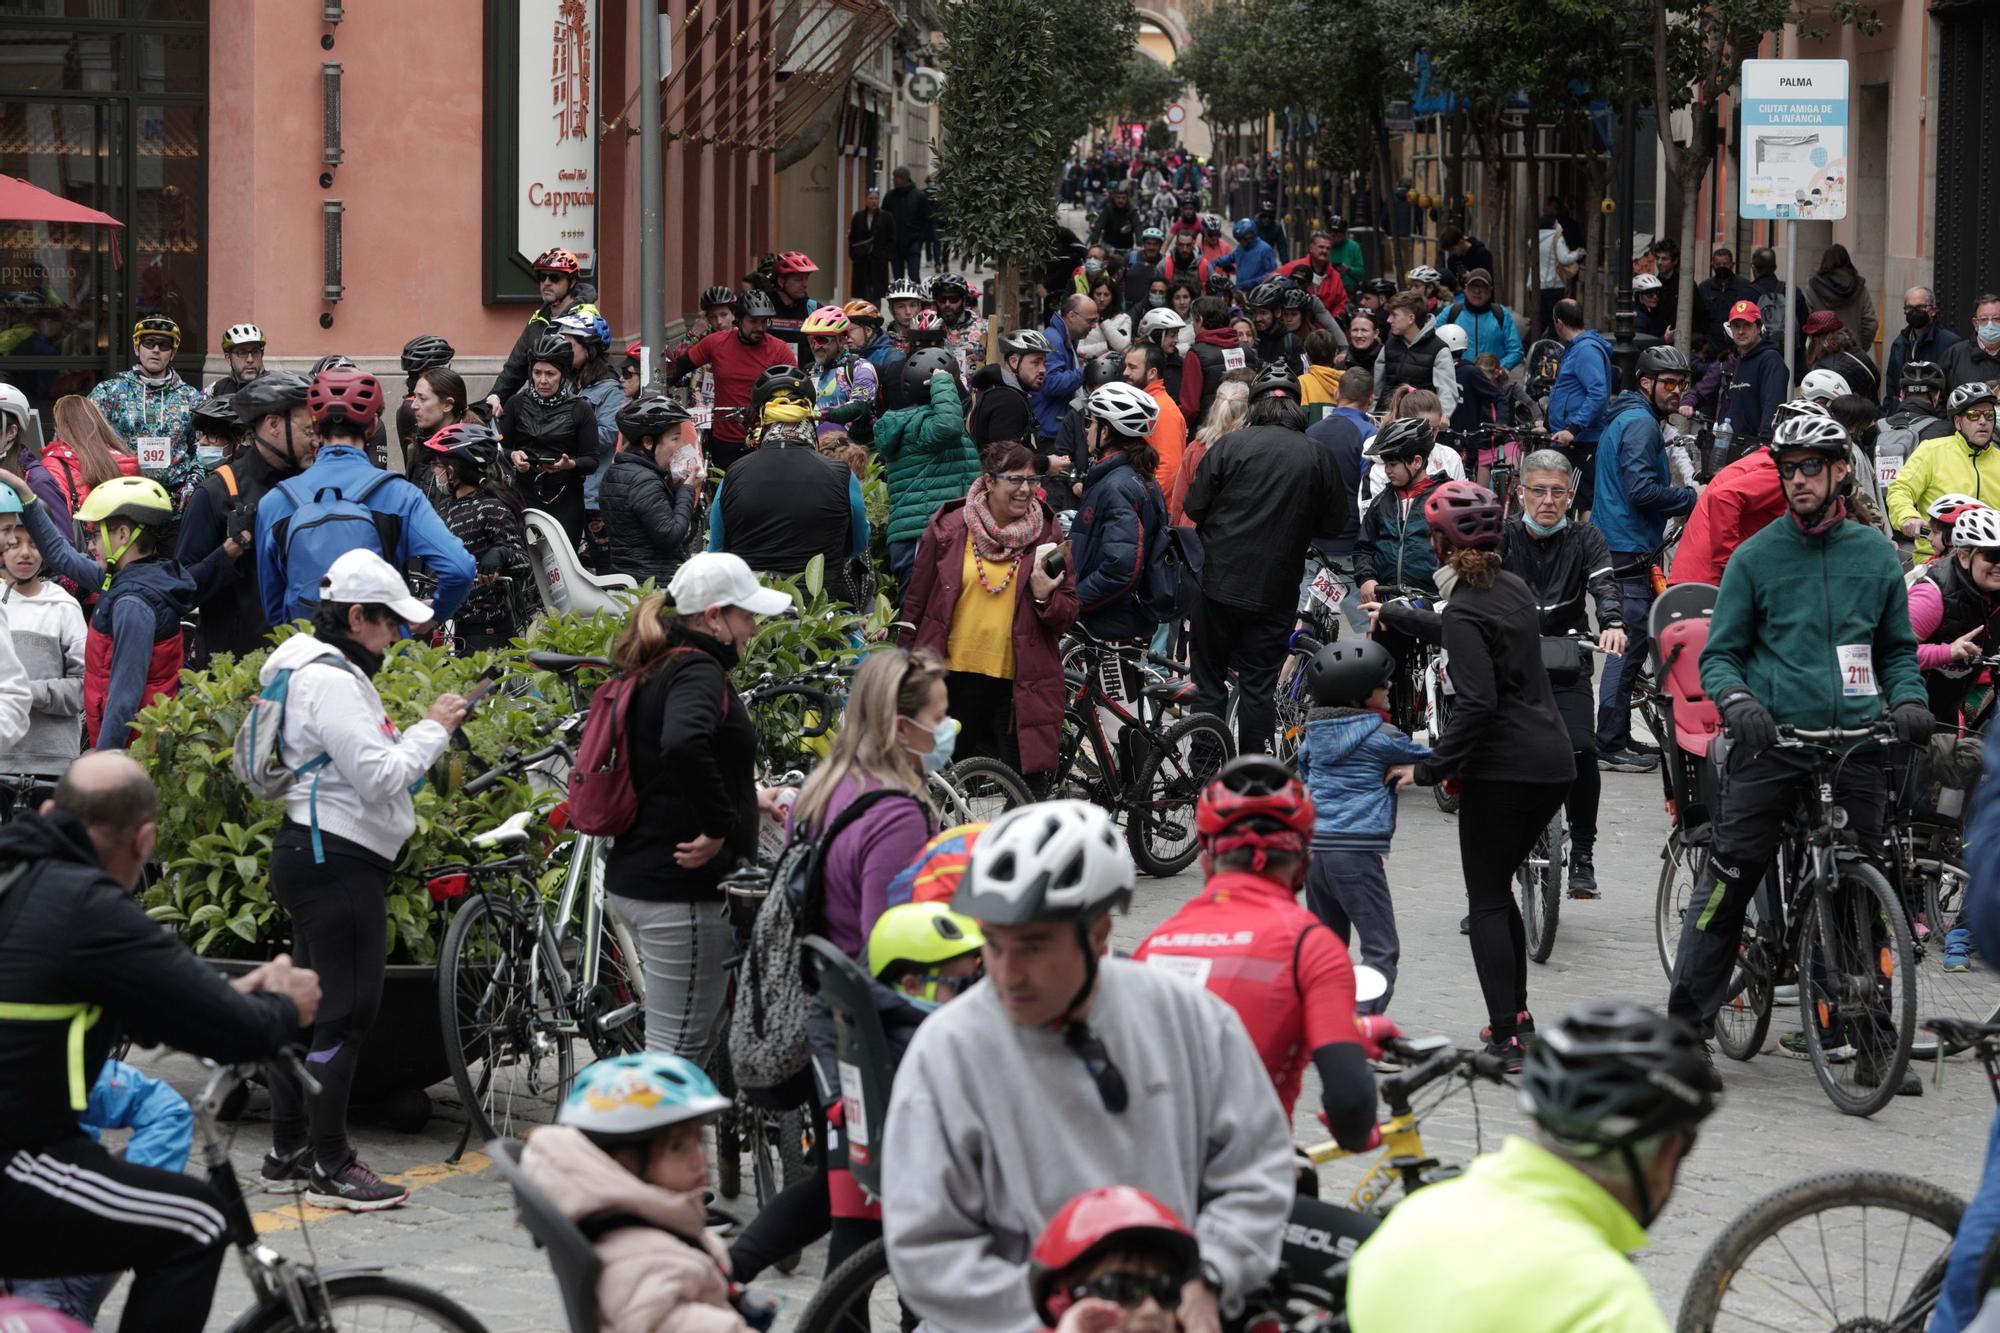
1540, 531
1154, 300
209, 456
1989, 332
944, 740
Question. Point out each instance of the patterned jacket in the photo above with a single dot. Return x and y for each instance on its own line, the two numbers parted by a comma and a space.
493, 537
135, 409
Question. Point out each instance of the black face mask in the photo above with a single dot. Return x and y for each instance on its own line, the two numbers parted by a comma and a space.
1917, 319
1723, 273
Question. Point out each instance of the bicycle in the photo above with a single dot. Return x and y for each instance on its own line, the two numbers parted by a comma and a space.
299, 1294
1150, 774
517, 984
1839, 928
1539, 879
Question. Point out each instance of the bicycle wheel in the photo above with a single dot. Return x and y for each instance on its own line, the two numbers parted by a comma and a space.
1744, 1019
777, 1159
987, 788
506, 1029
1850, 1250
1539, 880
366, 1301
1681, 867
1160, 804
616, 1006
857, 1297
1856, 1001
1447, 803
950, 802
1971, 996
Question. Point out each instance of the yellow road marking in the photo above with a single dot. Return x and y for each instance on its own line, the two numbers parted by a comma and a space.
415, 1179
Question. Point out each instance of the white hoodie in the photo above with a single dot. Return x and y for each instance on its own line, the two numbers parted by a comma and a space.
331, 708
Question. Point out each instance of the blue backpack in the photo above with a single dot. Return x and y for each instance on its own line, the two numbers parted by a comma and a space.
326, 526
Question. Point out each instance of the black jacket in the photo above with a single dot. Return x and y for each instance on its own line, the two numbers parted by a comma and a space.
1280, 345
781, 505
1564, 572
1965, 361
910, 206
515, 372
497, 541
1712, 299
646, 518
1002, 410
232, 620
1504, 725
1258, 497
871, 238
1117, 227
69, 934
694, 767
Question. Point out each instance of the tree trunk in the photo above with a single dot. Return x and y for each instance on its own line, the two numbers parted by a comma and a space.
1687, 168
1006, 307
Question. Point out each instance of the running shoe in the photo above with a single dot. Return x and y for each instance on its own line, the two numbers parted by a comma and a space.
1958, 950
286, 1173
354, 1187
1624, 761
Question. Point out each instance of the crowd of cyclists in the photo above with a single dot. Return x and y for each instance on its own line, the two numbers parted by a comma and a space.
1197, 423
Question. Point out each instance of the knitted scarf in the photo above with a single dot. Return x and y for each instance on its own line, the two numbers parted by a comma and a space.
995, 541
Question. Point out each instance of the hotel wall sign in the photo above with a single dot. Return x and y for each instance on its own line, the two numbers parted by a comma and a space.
545, 63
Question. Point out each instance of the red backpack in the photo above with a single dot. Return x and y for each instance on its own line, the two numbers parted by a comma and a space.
602, 799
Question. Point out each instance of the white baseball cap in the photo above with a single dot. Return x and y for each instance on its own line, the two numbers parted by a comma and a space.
363, 576
718, 578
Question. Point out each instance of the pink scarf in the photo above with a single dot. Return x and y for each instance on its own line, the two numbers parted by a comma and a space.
995, 541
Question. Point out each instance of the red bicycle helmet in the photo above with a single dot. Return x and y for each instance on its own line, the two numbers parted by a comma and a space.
794, 261
1464, 516
1091, 1223
559, 262
1254, 802
350, 396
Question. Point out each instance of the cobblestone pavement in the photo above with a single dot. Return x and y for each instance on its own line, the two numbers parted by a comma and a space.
1775, 1126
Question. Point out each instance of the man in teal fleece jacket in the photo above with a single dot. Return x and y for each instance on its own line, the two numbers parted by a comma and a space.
927, 459
1811, 630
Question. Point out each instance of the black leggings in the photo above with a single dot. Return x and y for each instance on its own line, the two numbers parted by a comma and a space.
800, 1214
1498, 823
984, 707
340, 930
1580, 805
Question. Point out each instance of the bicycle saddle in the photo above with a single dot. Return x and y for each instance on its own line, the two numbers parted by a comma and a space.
564, 663
512, 833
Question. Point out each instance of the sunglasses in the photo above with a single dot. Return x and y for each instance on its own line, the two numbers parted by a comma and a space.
1812, 467
631, 373
1978, 414
1089, 1048
1131, 1290
166, 345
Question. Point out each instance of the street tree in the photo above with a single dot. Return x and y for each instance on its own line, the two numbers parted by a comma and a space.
1144, 89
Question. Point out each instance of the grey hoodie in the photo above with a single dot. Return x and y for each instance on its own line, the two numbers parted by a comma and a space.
996, 1127
48, 634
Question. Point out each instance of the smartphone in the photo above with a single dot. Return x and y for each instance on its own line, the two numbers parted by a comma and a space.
492, 682
1050, 557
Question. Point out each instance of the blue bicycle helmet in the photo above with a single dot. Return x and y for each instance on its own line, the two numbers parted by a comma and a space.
631, 1098
1245, 230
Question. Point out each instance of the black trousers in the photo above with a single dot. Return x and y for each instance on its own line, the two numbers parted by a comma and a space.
1498, 823
984, 707
1251, 644
340, 930
1758, 792
71, 1208
799, 1215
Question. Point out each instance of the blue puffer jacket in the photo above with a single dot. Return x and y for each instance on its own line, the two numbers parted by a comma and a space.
1489, 330
605, 398
1342, 759
1120, 522
1582, 389
1635, 491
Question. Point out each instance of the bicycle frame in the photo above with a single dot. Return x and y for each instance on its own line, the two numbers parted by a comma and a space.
1402, 1149
1085, 703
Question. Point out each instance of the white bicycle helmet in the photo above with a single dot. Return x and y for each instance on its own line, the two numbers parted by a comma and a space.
1023, 342
1820, 434
14, 403
1799, 407
1117, 332
1977, 528
1452, 336
1156, 322
239, 335
1823, 386
1645, 282
1951, 502
1051, 861
902, 289
1212, 223
1422, 273
1128, 411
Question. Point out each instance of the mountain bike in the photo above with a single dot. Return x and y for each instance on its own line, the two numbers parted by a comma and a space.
1829, 919
1538, 880
1149, 773
298, 1295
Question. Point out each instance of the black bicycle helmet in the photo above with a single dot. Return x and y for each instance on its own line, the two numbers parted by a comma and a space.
717, 297
1967, 396
774, 380
1665, 359
1220, 282
1295, 297
1267, 295
217, 416
1275, 378
470, 443
1613, 1074
1378, 287
649, 416
1345, 674
425, 352
1406, 437
1928, 375
917, 371
1102, 370
949, 284
755, 304
554, 349
274, 391
332, 361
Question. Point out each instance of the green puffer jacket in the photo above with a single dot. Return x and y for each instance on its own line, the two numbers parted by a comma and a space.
1789, 602
928, 456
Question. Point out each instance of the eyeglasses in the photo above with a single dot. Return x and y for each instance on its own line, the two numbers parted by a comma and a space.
1131, 1290
629, 373
1548, 492
1020, 481
1978, 414
1089, 1048
1812, 467
157, 344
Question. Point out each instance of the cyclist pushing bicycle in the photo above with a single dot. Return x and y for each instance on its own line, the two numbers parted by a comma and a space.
1811, 629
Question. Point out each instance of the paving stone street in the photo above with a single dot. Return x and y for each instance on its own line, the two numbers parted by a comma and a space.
1775, 1126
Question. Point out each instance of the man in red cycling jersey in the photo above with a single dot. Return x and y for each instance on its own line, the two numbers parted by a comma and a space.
1246, 938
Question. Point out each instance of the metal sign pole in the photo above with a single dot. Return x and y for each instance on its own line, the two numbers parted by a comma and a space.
652, 235
1791, 303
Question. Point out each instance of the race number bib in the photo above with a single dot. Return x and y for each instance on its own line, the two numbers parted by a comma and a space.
855, 1108
1857, 669
156, 453
1885, 471
1188, 967
1328, 589
703, 416
1232, 358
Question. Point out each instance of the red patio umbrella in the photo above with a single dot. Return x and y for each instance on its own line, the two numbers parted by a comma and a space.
22, 202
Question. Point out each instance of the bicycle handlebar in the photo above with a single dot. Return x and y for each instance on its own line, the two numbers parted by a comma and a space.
1836, 735
509, 766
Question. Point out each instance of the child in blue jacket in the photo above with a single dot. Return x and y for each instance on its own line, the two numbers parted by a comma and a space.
1354, 762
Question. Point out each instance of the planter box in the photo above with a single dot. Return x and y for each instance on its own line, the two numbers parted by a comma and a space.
405, 1049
